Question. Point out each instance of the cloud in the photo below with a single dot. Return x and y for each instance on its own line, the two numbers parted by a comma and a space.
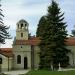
34, 2
30, 13
8, 44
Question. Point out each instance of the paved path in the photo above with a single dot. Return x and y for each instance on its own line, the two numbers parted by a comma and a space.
16, 72
67, 69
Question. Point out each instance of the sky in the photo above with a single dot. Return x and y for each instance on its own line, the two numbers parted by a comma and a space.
32, 11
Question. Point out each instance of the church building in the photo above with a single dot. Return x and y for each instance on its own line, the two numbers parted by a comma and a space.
24, 53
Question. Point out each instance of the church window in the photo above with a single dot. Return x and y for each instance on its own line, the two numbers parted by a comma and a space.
21, 34
0, 60
21, 46
18, 59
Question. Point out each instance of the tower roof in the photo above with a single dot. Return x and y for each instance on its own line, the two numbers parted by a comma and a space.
8, 52
22, 20
70, 41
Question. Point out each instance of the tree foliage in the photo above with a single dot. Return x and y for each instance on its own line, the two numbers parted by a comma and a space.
4, 34
52, 33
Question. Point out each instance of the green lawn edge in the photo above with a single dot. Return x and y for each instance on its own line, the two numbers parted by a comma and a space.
44, 72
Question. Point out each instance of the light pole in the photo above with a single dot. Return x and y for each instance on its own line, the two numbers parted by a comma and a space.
51, 66
59, 67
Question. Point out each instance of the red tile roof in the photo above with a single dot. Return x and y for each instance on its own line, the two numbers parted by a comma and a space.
32, 41
6, 52
35, 41
70, 41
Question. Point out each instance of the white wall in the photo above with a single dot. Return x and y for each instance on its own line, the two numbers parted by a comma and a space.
25, 51
4, 65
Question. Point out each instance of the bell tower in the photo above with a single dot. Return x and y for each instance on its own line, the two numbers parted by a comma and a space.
21, 51
22, 30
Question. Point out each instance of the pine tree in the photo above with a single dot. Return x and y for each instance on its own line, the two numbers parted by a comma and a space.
4, 34
41, 26
41, 33
53, 35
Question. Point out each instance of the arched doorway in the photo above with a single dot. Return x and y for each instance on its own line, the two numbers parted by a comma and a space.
25, 62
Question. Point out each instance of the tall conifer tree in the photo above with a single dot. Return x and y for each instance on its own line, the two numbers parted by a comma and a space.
52, 32
4, 34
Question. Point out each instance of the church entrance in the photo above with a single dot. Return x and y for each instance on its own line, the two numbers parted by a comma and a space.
25, 62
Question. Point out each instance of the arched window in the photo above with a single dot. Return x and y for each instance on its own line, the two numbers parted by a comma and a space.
21, 34
25, 25
18, 59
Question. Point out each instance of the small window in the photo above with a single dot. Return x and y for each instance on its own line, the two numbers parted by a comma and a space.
21, 46
21, 34
18, 59
0, 60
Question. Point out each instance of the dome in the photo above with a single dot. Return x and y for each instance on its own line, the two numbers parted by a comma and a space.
22, 21
22, 24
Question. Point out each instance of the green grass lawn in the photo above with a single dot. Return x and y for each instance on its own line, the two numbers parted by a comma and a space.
42, 72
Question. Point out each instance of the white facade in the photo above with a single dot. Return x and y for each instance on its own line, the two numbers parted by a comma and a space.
25, 51
6, 63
